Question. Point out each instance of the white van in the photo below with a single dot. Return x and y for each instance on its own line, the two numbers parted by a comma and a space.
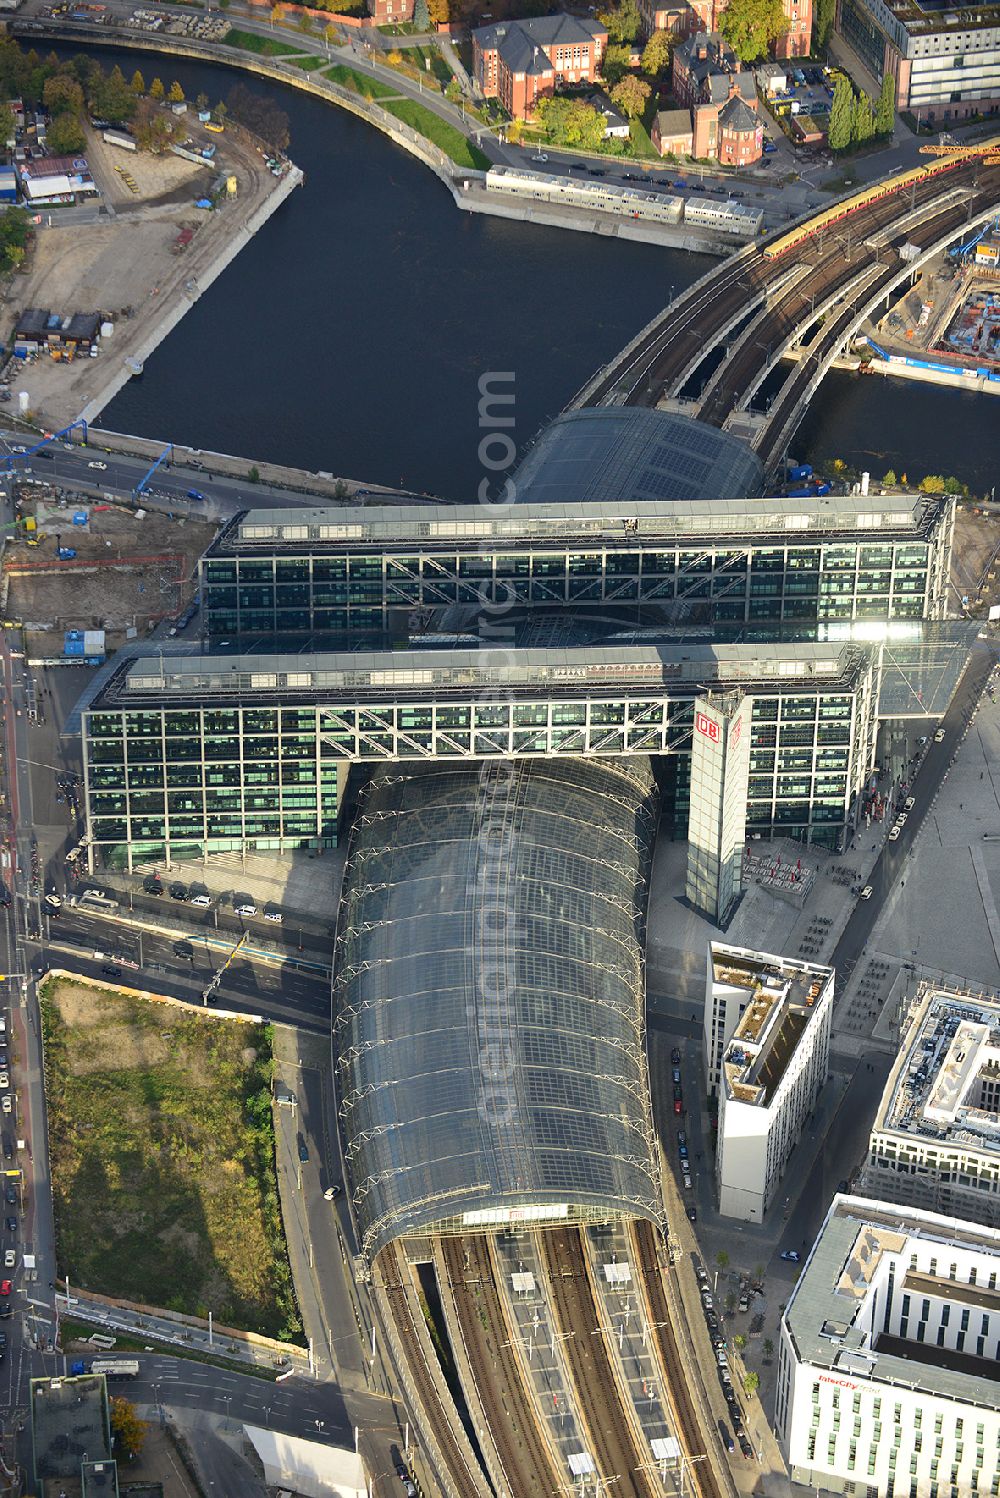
202, 900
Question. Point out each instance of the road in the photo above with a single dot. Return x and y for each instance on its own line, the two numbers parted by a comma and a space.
891, 864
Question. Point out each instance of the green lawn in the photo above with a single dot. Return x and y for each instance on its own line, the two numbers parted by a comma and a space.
359, 83
264, 46
438, 69
642, 145
403, 28
307, 64
451, 141
162, 1151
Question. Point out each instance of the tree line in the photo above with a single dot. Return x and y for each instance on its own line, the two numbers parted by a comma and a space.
854, 119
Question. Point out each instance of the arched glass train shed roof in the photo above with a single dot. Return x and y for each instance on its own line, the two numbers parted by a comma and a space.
488, 989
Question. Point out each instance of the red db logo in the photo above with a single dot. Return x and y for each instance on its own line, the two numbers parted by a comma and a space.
708, 726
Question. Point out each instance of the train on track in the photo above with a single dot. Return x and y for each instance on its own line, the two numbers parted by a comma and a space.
837, 211
635, 202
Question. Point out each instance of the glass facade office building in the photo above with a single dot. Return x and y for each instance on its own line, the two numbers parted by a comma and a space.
187, 756
165, 784
313, 573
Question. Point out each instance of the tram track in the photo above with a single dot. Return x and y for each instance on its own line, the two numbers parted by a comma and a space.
588, 1361
508, 1404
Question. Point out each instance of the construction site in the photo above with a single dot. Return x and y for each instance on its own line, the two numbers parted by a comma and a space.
141, 261
72, 565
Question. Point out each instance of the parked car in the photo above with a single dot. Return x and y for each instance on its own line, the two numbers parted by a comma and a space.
111, 971
201, 900
178, 892
331, 1193
726, 1436
152, 887
11, 1224
894, 833
246, 910
909, 803
745, 1446
270, 914
303, 1149
791, 1256
675, 1057
10, 1195
939, 735
866, 893
9, 1258
692, 1214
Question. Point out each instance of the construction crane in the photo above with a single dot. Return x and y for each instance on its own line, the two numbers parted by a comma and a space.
987, 150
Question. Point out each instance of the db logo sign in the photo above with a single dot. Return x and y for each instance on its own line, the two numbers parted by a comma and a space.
734, 737
708, 726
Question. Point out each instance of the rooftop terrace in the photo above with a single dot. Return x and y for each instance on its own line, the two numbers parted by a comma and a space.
946, 1083
785, 995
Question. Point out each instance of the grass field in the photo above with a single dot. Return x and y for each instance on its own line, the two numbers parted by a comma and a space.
265, 46
308, 64
451, 141
359, 83
162, 1151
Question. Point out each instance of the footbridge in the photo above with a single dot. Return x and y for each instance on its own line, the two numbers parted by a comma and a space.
718, 350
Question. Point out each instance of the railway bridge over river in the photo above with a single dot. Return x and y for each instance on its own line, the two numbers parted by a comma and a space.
719, 348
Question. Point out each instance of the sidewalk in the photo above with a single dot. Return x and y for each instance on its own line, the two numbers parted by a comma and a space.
193, 1338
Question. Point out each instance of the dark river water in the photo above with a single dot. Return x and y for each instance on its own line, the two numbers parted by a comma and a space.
352, 333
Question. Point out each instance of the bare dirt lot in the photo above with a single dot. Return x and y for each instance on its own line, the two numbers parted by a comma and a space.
127, 572
128, 260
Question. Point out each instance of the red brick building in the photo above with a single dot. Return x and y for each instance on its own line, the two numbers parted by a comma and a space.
387, 12
520, 62
684, 18
795, 42
711, 82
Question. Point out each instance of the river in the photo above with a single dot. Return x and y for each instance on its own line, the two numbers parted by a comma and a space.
352, 333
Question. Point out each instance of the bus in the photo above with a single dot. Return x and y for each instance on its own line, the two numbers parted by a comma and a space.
116, 1367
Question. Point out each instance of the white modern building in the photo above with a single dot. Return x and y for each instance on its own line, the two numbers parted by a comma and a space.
735, 977
935, 1142
772, 1071
888, 1374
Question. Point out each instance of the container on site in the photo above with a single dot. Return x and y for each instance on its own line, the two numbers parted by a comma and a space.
66, 553
203, 203
80, 517
120, 139
209, 152
800, 471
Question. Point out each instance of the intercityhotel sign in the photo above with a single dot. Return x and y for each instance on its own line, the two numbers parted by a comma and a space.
840, 1383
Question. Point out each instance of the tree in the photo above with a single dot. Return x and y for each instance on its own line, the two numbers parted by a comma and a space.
885, 109
751, 26
421, 15
932, 483
862, 120
63, 95
656, 54
841, 115
889, 478
438, 12
631, 96
277, 14
138, 84
220, 111
157, 91
768, 1349
305, 23
201, 103
254, 475
758, 1274
151, 127
330, 35
739, 1342
65, 135
722, 1259
176, 94
623, 21
823, 18
570, 122
615, 64
126, 1427
261, 116
113, 99
7, 126
751, 1382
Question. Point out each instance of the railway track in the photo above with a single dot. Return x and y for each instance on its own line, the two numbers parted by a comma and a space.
589, 1365
690, 1430
508, 1405
651, 368
435, 1419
